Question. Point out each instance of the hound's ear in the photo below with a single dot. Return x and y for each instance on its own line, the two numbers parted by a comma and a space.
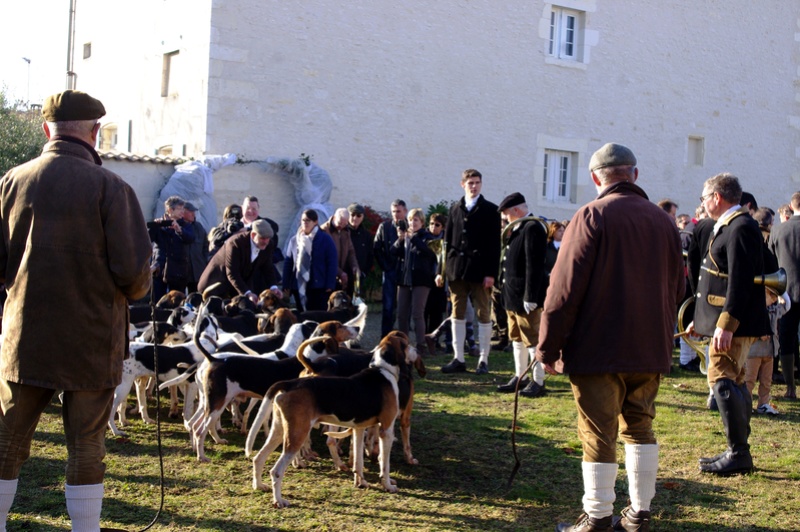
331, 345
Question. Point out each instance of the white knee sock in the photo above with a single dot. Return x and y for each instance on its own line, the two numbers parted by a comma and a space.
459, 328
598, 489
485, 340
641, 461
520, 358
538, 369
84, 503
8, 488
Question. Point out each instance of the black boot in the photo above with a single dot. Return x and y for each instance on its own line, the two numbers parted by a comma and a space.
735, 410
511, 386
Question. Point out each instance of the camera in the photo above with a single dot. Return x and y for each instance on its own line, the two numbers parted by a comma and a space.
402, 225
159, 223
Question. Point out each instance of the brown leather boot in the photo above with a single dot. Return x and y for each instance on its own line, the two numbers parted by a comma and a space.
632, 521
587, 524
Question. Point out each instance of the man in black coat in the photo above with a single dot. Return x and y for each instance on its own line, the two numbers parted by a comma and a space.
784, 242
522, 282
362, 244
382, 249
472, 240
731, 310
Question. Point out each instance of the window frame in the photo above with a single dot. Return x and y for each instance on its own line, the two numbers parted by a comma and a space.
559, 182
566, 34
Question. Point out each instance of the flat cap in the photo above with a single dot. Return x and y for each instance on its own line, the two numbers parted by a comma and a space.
263, 228
72, 105
512, 200
189, 206
355, 208
612, 155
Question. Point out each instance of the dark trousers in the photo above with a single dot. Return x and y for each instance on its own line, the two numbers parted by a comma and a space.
435, 308
317, 298
389, 295
787, 333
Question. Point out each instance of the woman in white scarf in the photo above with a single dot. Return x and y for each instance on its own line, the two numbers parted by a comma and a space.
312, 265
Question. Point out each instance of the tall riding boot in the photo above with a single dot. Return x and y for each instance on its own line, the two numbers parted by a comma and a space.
787, 369
734, 409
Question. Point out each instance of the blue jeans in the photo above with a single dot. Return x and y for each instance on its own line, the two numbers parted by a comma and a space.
389, 294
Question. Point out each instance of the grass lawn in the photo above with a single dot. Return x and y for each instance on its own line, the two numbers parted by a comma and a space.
461, 435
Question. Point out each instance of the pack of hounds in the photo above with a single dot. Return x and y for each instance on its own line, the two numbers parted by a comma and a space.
296, 369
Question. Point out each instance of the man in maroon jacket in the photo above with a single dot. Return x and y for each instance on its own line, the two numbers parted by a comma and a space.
609, 316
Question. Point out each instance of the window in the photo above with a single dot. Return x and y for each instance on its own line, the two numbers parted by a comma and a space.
168, 69
696, 151
566, 34
558, 182
87, 50
108, 137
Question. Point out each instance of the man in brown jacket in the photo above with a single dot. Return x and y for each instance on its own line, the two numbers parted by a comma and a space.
609, 315
347, 264
72, 230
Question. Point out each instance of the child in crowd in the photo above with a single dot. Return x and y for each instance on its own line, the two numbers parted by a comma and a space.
762, 353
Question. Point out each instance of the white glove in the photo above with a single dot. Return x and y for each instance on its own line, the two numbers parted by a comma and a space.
529, 307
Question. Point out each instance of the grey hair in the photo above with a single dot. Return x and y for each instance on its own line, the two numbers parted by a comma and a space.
173, 201
341, 214
614, 174
726, 185
80, 127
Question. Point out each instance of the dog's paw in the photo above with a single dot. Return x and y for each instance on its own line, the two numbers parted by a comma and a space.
360, 482
174, 415
259, 486
280, 503
390, 486
148, 421
410, 460
203, 459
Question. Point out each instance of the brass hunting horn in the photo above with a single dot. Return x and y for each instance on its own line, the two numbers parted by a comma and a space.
774, 281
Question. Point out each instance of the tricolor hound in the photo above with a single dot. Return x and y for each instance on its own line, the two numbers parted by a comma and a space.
368, 398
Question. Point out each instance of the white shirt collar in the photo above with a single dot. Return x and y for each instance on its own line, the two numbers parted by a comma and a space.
725, 217
254, 251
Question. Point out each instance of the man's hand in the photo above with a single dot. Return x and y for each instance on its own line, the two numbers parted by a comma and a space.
488, 282
343, 278
548, 368
722, 340
439, 281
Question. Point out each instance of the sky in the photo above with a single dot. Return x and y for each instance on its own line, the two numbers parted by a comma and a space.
36, 30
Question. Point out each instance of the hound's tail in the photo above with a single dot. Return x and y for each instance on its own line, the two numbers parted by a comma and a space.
259, 422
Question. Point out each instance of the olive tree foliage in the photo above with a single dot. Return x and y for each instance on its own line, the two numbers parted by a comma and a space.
21, 135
